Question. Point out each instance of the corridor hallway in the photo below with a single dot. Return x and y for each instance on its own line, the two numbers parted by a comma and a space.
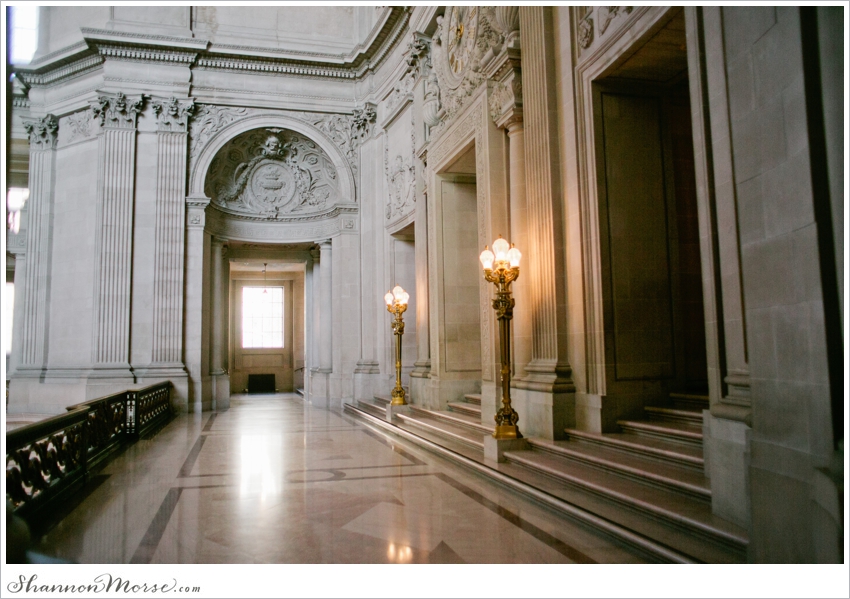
276, 480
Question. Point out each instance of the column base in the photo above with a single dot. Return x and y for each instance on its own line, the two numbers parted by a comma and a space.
544, 414
727, 459
320, 388
392, 411
221, 392
368, 384
494, 449
174, 372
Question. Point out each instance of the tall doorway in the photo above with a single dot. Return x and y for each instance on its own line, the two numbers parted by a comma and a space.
267, 321
654, 324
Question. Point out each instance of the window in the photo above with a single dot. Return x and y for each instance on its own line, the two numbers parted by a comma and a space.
262, 317
24, 34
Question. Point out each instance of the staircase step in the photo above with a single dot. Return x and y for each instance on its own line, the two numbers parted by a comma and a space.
473, 398
455, 418
465, 408
383, 399
675, 453
689, 516
633, 466
444, 429
659, 413
690, 400
372, 408
671, 431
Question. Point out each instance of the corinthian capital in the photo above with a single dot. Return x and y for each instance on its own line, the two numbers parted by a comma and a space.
116, 111
173, 115
42, 132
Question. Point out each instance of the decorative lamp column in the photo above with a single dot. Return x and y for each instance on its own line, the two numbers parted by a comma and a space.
501, 267
396, 304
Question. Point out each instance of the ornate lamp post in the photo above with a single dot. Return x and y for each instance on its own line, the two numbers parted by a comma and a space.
502, 268
396, 304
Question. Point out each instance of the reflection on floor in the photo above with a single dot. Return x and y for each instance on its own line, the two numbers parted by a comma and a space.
275, 480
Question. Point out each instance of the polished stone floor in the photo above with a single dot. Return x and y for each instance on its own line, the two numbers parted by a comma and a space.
275, 480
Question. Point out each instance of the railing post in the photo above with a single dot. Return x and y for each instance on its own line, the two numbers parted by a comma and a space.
132, 414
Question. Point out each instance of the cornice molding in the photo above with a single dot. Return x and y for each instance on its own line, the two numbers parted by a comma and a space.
100, 45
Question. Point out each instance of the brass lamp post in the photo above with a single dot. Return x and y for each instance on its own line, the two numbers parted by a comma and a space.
396, 304
502, 268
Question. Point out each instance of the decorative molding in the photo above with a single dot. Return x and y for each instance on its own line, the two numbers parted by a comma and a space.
401, 180
146, 54
60, 74
455, 90
20, 102
42, 132
585, 31
116, 111
79, 125
605, 14
173, 115
209, 119
272, 66
271, 173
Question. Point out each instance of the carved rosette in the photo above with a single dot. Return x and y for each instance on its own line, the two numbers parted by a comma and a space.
117, 111
42, 132
173, 115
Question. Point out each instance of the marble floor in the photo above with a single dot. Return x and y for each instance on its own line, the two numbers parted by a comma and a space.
276, 480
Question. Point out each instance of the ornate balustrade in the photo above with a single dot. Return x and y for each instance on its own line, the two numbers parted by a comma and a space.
49, 460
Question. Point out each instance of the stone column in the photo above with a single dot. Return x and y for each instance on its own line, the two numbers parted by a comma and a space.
219, 289
16, 245
197, 319
326, 309
117, 116
169, 249
550, 393
422, 366
506, 111
34, 308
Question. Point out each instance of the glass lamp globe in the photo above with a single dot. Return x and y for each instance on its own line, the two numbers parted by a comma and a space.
389, 298
514, 256
500, 248
487, 258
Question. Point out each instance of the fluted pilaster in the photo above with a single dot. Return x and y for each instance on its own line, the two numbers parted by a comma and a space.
172, 117
117, 116
42, 137
548, 369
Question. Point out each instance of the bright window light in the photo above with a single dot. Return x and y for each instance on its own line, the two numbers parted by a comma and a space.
262, 317
24, 33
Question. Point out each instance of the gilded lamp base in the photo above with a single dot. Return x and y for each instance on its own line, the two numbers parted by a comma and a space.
507, 431
398, 397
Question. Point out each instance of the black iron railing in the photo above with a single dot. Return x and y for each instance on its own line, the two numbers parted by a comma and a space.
48, 460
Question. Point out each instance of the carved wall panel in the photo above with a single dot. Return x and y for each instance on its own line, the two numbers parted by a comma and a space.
271, 173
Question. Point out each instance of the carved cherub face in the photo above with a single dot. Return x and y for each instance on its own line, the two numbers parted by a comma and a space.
272, 146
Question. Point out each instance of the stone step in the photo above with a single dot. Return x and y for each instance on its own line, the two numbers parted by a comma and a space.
455, 418
670, 431
474, 398
687, 516
466, 408
668, 414
444, 429
372, 408
693, 401
659, 449
681, 523
383, 399
636, 467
